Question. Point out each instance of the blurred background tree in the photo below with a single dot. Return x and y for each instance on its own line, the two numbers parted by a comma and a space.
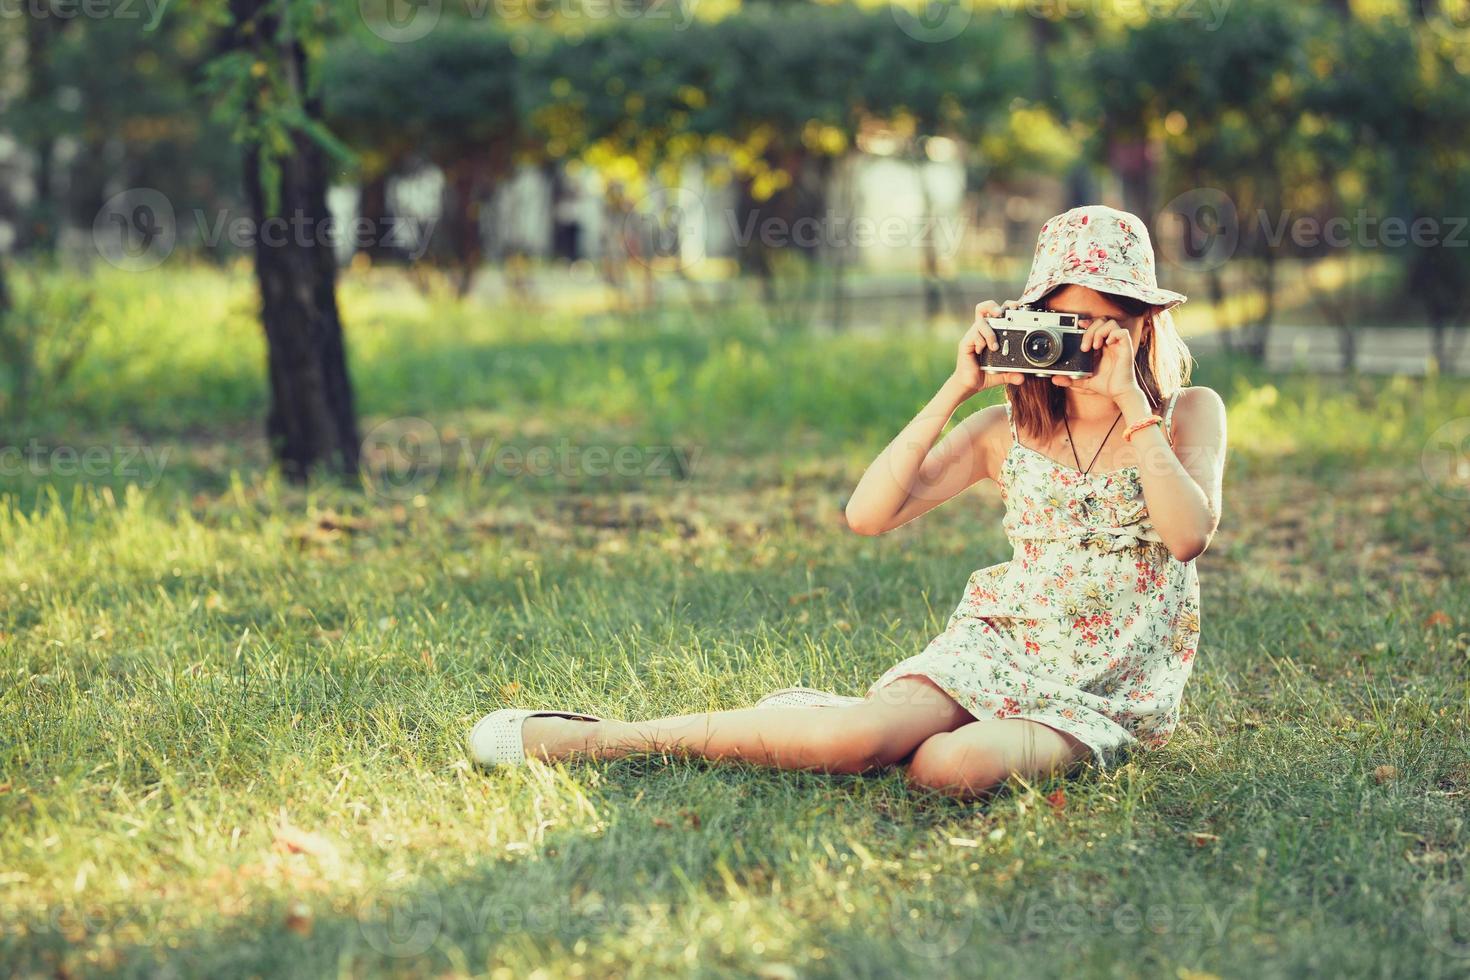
677, 127
264, 79
451, 101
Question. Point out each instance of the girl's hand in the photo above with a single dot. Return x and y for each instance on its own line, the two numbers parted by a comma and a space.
1115, 375
981, 337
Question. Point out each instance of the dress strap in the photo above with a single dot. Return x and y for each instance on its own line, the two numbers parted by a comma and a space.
1169, 416
1011, 421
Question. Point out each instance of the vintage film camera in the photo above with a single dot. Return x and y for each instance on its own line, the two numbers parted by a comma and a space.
1035, 341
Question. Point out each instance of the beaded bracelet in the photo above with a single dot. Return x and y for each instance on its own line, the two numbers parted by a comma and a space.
1140, 425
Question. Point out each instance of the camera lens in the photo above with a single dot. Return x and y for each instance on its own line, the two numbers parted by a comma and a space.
1041, 347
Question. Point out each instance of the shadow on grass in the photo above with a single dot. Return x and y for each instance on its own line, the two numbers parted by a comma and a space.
638, 884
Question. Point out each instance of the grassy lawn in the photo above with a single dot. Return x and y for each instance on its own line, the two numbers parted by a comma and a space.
232, 712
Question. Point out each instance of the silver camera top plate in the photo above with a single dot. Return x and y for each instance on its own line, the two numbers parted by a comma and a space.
1025, 318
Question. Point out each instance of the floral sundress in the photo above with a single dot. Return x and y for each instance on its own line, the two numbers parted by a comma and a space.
1091, 628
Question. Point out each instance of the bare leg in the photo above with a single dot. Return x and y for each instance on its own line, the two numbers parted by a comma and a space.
881, 731
976, 758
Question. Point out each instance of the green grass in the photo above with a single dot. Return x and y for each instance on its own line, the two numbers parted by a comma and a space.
232, 712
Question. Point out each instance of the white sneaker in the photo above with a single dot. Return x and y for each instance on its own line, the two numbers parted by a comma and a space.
496, 739
805, 697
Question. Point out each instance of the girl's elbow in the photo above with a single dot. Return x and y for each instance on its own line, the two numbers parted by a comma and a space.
863, 523
1189, 548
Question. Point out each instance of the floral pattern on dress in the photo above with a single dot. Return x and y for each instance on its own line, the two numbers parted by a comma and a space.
1091, 627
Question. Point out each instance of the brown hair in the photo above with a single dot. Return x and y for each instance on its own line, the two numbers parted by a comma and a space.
1161, 362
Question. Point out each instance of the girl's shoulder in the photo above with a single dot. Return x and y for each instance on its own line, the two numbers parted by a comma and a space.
988, 430
1197, 411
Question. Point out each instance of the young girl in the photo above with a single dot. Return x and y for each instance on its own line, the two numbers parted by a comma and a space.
1081, 643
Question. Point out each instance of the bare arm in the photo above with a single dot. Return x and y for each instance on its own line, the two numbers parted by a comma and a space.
1182, 484
913, 476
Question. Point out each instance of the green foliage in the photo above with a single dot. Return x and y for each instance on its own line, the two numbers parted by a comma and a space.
264, 85
801, 79
1388, 136
1235, 88
453, 94
118, 85
44, 330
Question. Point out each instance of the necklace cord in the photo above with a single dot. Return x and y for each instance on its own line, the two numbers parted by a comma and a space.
1072, 443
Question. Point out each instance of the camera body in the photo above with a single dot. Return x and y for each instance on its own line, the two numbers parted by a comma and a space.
1032, 341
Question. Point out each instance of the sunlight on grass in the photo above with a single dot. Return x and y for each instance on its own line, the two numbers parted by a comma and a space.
234, 710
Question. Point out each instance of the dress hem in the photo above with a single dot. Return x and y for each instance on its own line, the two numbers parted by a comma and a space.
1101, 756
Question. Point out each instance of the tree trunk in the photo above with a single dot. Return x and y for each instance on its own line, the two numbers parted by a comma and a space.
752, 255
1260, 333
1133, 162
373, 207
929, 254
311, 424
462, 245
40, 230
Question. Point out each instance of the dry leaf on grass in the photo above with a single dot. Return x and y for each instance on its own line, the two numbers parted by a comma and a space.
298, 919
290, 839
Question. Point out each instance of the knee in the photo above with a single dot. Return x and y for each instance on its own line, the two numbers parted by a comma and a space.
945, 764
853, 744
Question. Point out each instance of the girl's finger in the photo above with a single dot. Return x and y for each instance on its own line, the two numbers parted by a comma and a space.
1101, 333
988, 334
1015, 379
1061, 381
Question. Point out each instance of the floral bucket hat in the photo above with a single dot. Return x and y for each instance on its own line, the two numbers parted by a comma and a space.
1101, 248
